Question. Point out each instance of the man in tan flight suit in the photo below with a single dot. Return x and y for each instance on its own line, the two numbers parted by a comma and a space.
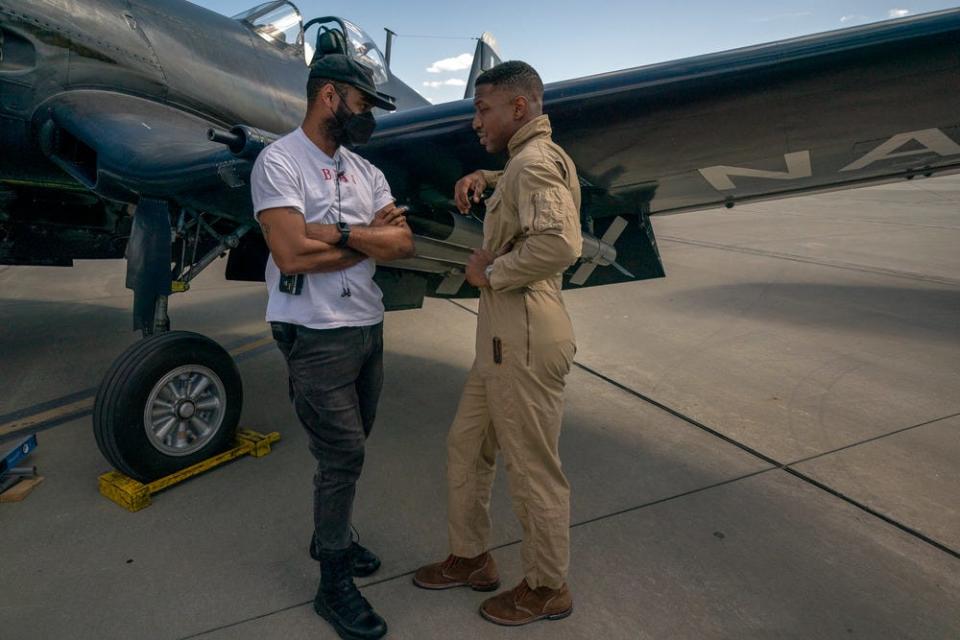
513, 398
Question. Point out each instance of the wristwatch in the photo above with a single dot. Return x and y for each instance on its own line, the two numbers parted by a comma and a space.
488, 272
344, 230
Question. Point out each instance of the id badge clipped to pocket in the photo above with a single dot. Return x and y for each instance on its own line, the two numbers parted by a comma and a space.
292, 285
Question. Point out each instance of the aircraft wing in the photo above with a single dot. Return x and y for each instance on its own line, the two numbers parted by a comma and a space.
827, 111
832, 110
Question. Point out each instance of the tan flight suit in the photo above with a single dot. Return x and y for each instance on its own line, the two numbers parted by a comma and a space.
513, 398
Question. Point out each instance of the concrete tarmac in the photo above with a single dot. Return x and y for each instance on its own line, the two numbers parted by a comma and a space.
764, 444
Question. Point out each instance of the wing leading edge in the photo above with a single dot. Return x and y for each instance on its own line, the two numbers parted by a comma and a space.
825, 111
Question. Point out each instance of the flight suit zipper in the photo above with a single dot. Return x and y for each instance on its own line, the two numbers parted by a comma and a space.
526, 314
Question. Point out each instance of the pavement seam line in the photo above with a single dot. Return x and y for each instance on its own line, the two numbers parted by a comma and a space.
785, 467
53, 413
245, 621
116, 296
503, 545
846, 266
663, 407
905, 225
873, 512
873, 439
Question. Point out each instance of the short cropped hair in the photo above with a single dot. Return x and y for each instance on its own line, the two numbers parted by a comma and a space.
315, 84
515, 75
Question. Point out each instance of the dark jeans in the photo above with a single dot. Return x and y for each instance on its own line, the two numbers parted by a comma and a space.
335, 381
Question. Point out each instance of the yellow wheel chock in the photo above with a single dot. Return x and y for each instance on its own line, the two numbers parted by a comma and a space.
134, 496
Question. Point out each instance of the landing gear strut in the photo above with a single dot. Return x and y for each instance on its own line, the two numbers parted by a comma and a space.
173, 398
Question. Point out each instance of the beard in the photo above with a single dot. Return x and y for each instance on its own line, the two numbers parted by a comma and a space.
333, 128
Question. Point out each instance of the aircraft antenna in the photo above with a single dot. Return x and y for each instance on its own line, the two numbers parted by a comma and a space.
389, 46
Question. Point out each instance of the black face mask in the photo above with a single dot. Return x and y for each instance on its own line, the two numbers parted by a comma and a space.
349, 127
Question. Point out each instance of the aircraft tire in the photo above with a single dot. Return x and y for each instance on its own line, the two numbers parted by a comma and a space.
169, 401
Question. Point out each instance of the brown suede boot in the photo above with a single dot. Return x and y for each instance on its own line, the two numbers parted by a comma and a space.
479, 573
522, 605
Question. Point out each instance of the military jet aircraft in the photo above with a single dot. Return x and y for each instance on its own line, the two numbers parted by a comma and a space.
129, 128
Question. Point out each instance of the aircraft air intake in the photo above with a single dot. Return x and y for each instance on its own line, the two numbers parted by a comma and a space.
69, 153
17, 54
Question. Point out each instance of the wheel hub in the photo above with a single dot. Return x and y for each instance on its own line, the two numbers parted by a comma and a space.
185, 410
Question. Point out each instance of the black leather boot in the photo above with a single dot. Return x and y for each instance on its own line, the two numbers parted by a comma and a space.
364, 561
339, 602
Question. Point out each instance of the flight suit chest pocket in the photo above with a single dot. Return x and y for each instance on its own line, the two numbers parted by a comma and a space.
493, 201
492, 218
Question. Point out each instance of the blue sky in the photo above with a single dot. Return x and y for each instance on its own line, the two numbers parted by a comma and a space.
574, 39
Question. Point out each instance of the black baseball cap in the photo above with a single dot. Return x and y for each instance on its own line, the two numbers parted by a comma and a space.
336, 66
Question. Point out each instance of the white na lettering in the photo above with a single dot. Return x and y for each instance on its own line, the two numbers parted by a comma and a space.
798, 166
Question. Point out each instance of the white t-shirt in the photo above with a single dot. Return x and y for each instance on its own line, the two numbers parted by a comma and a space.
294, 172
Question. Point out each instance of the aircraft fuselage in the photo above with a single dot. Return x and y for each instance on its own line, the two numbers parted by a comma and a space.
172, 52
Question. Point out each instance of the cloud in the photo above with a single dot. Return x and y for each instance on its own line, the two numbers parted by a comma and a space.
851, 19
452, 82
898, 13
457, 63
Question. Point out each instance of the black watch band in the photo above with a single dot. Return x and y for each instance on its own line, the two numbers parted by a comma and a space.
344, 230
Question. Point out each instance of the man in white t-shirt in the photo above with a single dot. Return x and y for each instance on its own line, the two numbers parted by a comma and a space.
327, 215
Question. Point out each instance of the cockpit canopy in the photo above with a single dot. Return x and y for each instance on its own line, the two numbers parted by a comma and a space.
281, 24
